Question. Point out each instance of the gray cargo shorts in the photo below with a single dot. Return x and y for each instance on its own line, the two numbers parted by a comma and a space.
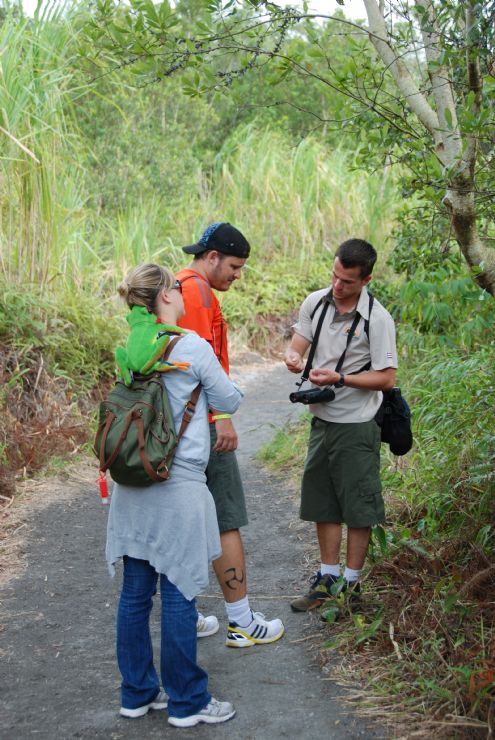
224, 482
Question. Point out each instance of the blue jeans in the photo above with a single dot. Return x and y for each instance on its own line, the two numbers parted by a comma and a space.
183, 679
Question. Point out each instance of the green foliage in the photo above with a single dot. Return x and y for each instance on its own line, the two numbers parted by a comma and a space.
40, 187
120, 144
75, 340
261, 174
286, 451
420, 635
452, 482
442, 142
144, 143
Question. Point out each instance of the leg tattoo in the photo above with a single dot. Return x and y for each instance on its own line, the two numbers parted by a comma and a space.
230, 582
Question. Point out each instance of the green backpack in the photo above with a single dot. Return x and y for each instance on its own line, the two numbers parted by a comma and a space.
136, 438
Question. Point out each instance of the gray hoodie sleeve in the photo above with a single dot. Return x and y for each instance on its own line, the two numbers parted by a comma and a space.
222, 393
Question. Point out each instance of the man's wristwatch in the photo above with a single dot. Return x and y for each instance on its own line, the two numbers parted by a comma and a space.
340, 382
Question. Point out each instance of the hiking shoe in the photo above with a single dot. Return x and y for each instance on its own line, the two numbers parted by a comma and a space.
319, 591
214, 712
206, 626
159, 702
259, 632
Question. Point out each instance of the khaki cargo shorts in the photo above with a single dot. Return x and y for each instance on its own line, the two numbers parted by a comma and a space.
341, 480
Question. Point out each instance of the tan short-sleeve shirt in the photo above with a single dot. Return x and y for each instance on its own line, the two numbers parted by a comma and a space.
351, 405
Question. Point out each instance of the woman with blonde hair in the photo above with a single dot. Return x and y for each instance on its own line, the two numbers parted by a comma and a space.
168, 531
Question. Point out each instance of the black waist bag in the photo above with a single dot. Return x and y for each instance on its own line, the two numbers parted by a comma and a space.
394, 418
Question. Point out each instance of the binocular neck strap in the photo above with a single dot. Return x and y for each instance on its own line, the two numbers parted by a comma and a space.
350, 334
309, 361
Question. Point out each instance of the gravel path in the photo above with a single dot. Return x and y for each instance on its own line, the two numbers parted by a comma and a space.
59, 678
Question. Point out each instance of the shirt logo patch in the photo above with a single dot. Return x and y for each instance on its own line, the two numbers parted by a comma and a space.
389, 355
356, 334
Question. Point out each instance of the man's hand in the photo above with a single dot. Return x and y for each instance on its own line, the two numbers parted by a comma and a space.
294, 361
322, 376
375, 380
226, 436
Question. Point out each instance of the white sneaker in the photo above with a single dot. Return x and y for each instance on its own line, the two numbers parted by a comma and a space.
214, 712
159, 702
259, 632
206, 626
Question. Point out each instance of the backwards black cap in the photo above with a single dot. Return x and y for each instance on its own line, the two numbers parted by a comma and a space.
222, 237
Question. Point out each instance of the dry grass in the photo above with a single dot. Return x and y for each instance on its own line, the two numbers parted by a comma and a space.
428, 666
43, 419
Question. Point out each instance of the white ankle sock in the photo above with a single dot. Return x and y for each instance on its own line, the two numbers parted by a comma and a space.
351, 575
332, 570
240, 612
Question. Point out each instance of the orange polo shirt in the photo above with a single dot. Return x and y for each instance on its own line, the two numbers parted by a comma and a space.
203, 314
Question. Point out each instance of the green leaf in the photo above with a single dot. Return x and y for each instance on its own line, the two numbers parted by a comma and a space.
337, 587
448, 117
330, 615
331, 644
449, 602
316, 53
470, 98
381, 536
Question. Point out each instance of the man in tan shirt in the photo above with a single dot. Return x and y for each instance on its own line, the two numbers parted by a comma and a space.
341, 481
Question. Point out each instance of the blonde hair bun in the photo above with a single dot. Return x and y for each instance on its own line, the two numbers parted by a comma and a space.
143, 284
123, 289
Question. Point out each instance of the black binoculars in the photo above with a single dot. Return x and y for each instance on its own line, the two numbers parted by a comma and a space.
314, 395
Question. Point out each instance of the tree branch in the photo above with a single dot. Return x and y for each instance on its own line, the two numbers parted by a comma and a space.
380, 39
474, 85
441, 81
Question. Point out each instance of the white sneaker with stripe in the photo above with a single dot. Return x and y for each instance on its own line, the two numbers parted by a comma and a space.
206, 626
259, 632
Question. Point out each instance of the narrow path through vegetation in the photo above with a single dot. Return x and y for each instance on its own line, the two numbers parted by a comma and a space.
59, 677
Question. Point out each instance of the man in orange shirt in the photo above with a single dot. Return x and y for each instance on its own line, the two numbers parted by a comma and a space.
219, 257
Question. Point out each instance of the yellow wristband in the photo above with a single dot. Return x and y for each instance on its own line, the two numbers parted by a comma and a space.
218, 417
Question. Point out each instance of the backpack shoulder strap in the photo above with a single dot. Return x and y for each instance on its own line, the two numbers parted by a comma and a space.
189, 411
367, 321
170, 346
191, 404
351, 334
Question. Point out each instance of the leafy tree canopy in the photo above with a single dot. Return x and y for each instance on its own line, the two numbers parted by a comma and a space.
416, 82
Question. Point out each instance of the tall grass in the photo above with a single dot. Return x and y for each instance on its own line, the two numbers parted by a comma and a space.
299, 200
40, 181
295, 202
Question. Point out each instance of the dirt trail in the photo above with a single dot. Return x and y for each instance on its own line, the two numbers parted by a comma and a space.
59, 678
